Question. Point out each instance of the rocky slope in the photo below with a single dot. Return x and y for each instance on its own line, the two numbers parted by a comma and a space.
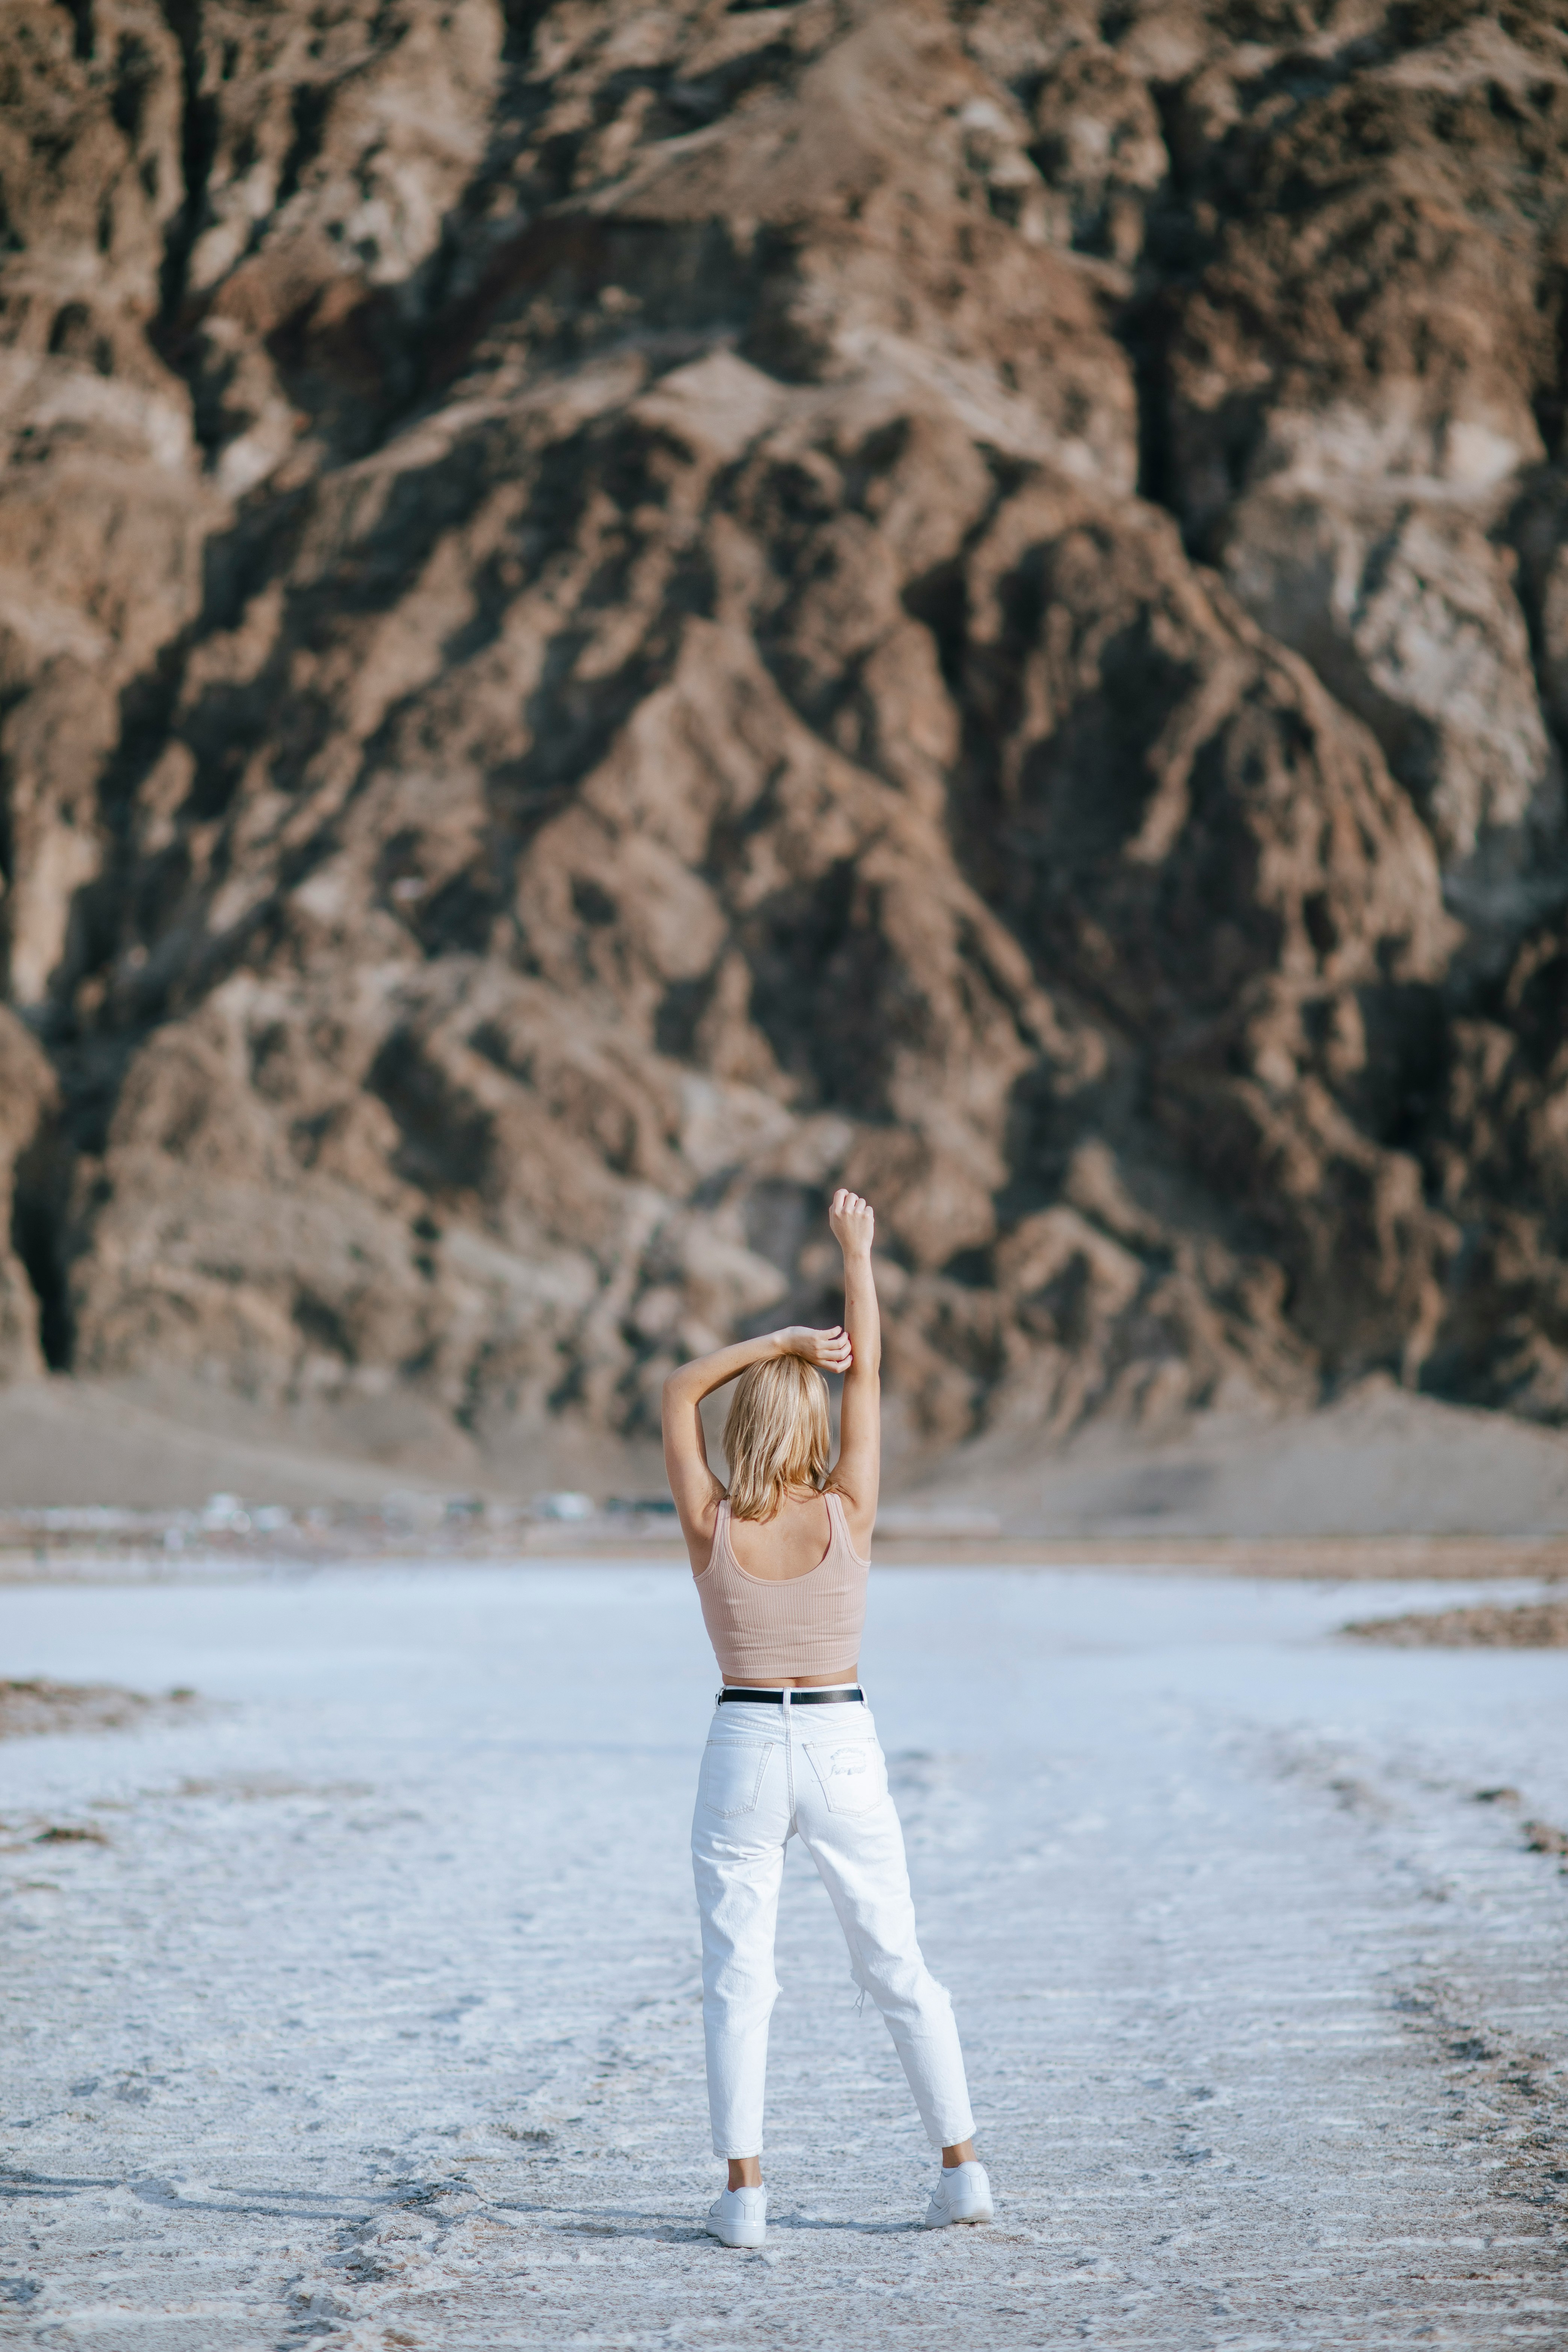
611, 615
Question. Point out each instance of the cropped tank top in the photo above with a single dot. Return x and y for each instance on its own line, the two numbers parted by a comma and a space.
808, 1624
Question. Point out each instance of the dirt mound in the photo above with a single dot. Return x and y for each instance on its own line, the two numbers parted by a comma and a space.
29, 1708
609, 620
1530, 1625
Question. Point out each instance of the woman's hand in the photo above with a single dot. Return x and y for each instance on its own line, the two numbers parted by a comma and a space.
853, 1223
828, 1350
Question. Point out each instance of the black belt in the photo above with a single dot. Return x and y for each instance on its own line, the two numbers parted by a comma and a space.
796, 1698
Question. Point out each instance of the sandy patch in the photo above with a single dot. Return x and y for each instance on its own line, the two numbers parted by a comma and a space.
1379, 1462
1530, 1625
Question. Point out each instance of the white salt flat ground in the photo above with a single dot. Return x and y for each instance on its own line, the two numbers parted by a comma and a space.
374, 2022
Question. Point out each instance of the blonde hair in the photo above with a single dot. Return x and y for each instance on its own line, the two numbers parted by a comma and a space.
775, 1434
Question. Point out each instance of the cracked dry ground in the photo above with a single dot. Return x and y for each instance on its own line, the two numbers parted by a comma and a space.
368, 2012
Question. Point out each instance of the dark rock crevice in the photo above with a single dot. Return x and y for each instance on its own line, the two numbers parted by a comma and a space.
40, 1240
199, 143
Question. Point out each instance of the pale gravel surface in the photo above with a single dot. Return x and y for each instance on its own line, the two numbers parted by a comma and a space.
375, 2020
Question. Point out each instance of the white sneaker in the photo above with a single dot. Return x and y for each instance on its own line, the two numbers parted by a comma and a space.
739, 2217
963, 2193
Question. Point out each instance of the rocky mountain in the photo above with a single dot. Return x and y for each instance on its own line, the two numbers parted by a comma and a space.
610, 616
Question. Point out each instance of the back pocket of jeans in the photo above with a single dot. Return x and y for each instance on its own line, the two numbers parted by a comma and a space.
853, 1776
731, 1778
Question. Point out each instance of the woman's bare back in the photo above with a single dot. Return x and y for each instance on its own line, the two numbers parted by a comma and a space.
796, 1540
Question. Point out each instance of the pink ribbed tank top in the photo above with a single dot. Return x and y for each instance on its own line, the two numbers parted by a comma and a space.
807, 1624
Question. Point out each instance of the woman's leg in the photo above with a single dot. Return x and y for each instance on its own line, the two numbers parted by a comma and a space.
738, 1837
851, 1829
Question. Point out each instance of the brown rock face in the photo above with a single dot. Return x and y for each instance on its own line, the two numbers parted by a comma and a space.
609, 617
1358, 385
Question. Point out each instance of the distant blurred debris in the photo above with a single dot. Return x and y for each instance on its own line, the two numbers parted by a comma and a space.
235, 1531
1529, 1626
567, 1505
225, 1514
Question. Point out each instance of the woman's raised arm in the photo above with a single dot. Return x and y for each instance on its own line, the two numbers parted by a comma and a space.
697, 1491
858, 1474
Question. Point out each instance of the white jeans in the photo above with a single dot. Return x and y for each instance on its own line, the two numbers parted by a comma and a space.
770, 1772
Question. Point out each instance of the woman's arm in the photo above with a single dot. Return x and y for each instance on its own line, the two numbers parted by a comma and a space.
858, 1471
696, 1492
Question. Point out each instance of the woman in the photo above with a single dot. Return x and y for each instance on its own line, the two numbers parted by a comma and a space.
781, 1565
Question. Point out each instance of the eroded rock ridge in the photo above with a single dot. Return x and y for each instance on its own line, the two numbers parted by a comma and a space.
612, 615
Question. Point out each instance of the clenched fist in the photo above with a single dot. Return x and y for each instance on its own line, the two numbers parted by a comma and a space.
853, 1223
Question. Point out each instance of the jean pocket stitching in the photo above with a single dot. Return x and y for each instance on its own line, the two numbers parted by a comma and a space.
849, 1784
735, 1746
